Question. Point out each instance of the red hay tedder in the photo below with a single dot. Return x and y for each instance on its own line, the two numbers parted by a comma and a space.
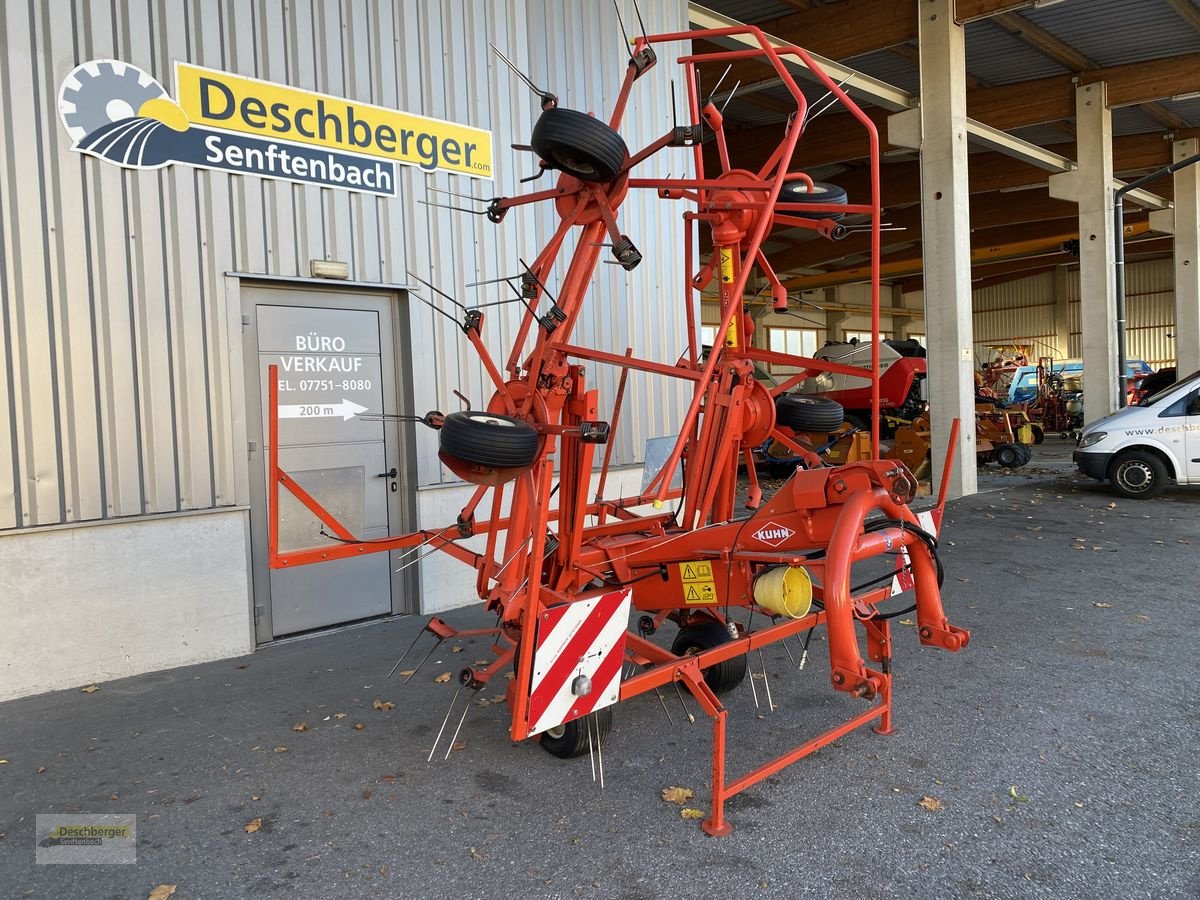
564, 567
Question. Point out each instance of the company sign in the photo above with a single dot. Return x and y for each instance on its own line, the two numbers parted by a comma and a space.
231, 123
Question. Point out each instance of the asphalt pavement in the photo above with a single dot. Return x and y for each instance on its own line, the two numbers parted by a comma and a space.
1053, 758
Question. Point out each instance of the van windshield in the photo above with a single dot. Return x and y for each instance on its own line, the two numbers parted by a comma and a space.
1151, 400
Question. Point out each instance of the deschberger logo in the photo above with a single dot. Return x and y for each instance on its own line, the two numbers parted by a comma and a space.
120, 114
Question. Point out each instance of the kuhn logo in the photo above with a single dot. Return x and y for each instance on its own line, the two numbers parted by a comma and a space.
773, 534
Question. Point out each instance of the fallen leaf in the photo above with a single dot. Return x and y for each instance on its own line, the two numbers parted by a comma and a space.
691, 813
281, 749
510, 675
243, 666
933, 804
1102, 605
340, 715
384, 870
459, 745
90, 689
41, 769
907, 622
300, 726
112, 796
407, 672
367, 794
383, 705
253, 825
677, 794
498, 699
475, 854
456, 649
443, 678
1021, 798
1112, 506
162, 892
1140, 618
483, 662
359, 726
256, 796
3, 762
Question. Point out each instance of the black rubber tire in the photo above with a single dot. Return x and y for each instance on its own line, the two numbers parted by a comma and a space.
1009, 456
570, 739
578, 144
1039, 433
1026, 454
725, 675
1137, 475
808, 413
822, 192
489, 439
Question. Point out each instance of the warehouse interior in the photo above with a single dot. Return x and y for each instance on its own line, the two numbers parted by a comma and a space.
285, 589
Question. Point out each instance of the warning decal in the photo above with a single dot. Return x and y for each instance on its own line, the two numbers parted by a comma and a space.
698, 587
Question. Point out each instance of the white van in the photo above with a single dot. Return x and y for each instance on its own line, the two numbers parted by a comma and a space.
1139, 449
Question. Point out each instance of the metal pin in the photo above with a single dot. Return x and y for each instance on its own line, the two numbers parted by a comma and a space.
804, 655
438, 739
687, 712
405, 653
788, 651
591, 750
422, 662
599, 752
663, 702
466, 709
766, 681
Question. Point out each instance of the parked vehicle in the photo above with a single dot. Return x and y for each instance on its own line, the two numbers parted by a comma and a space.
1140, 449
902, 389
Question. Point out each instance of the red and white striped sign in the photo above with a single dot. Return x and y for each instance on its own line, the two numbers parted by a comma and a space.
577, 659
903, 579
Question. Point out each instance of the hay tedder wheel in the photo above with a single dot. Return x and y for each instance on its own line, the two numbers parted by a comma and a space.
570, 739
725, 675
578, 144
805, 413
822, 192
489, 439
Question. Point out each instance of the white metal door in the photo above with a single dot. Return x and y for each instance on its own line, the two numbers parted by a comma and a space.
336, 364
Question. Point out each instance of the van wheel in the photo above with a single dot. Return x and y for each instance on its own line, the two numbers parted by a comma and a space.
1138, 475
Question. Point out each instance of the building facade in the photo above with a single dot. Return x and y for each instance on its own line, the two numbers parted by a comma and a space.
156, 256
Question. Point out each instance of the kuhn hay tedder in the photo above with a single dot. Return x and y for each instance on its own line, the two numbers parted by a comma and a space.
564, 568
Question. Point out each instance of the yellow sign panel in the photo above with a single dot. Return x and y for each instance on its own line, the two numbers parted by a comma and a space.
698, 586
216, 99
727, 265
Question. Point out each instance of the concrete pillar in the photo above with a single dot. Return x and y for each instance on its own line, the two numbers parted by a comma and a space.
1187, 258
946, 241
1090, 186
1062, 314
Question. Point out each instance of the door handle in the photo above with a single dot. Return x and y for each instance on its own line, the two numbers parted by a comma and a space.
390, 473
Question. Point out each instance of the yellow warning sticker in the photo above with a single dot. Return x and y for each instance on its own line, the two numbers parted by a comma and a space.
698, 587
727, 265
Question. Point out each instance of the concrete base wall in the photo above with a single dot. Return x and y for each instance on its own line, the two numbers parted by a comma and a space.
85, 604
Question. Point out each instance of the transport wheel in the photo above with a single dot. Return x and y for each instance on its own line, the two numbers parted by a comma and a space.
1138, 475
822, 192
489, 439
1009, 456
1039, 434
1026, 454
724, 676
570, 739
808, 413
578, 144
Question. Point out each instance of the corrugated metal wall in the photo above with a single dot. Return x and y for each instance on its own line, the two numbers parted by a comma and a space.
1149, 312
1021, 309
113, 322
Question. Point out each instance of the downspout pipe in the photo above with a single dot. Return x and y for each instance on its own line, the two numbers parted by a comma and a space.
1119, 256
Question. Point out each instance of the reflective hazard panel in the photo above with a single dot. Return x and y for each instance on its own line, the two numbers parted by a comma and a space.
903, 579
577, 659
